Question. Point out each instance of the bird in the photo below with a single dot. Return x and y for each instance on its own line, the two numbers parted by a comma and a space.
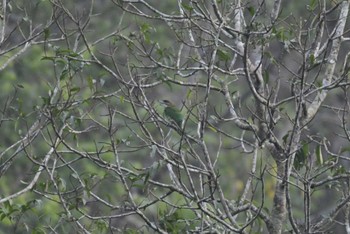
172, 113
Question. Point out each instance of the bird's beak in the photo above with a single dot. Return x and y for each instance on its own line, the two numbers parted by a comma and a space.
163, 102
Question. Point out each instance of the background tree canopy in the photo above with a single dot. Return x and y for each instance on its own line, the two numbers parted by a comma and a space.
262, 88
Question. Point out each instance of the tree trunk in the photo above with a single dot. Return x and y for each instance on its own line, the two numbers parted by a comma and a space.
278, 214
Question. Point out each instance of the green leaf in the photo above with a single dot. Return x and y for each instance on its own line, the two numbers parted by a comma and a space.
345, 149
20, 86
187, 7
339, 170
211, 128
285, 138
48, 58
38, 230
189, 94
318, 84
90, 83
145, 27
223, 55
301, 156
102, 226
313, 4
66, 52
266, 76
147, 176
251, 10
75, 90
46, 33
312, 59
130, 231
145, 30
319, 156
64, 74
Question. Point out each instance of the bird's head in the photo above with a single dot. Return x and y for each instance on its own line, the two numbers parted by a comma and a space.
172, 113
166, 103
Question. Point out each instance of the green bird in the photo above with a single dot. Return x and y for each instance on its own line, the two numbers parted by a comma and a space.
173, 113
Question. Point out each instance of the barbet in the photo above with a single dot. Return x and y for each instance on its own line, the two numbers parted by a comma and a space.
173, 113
